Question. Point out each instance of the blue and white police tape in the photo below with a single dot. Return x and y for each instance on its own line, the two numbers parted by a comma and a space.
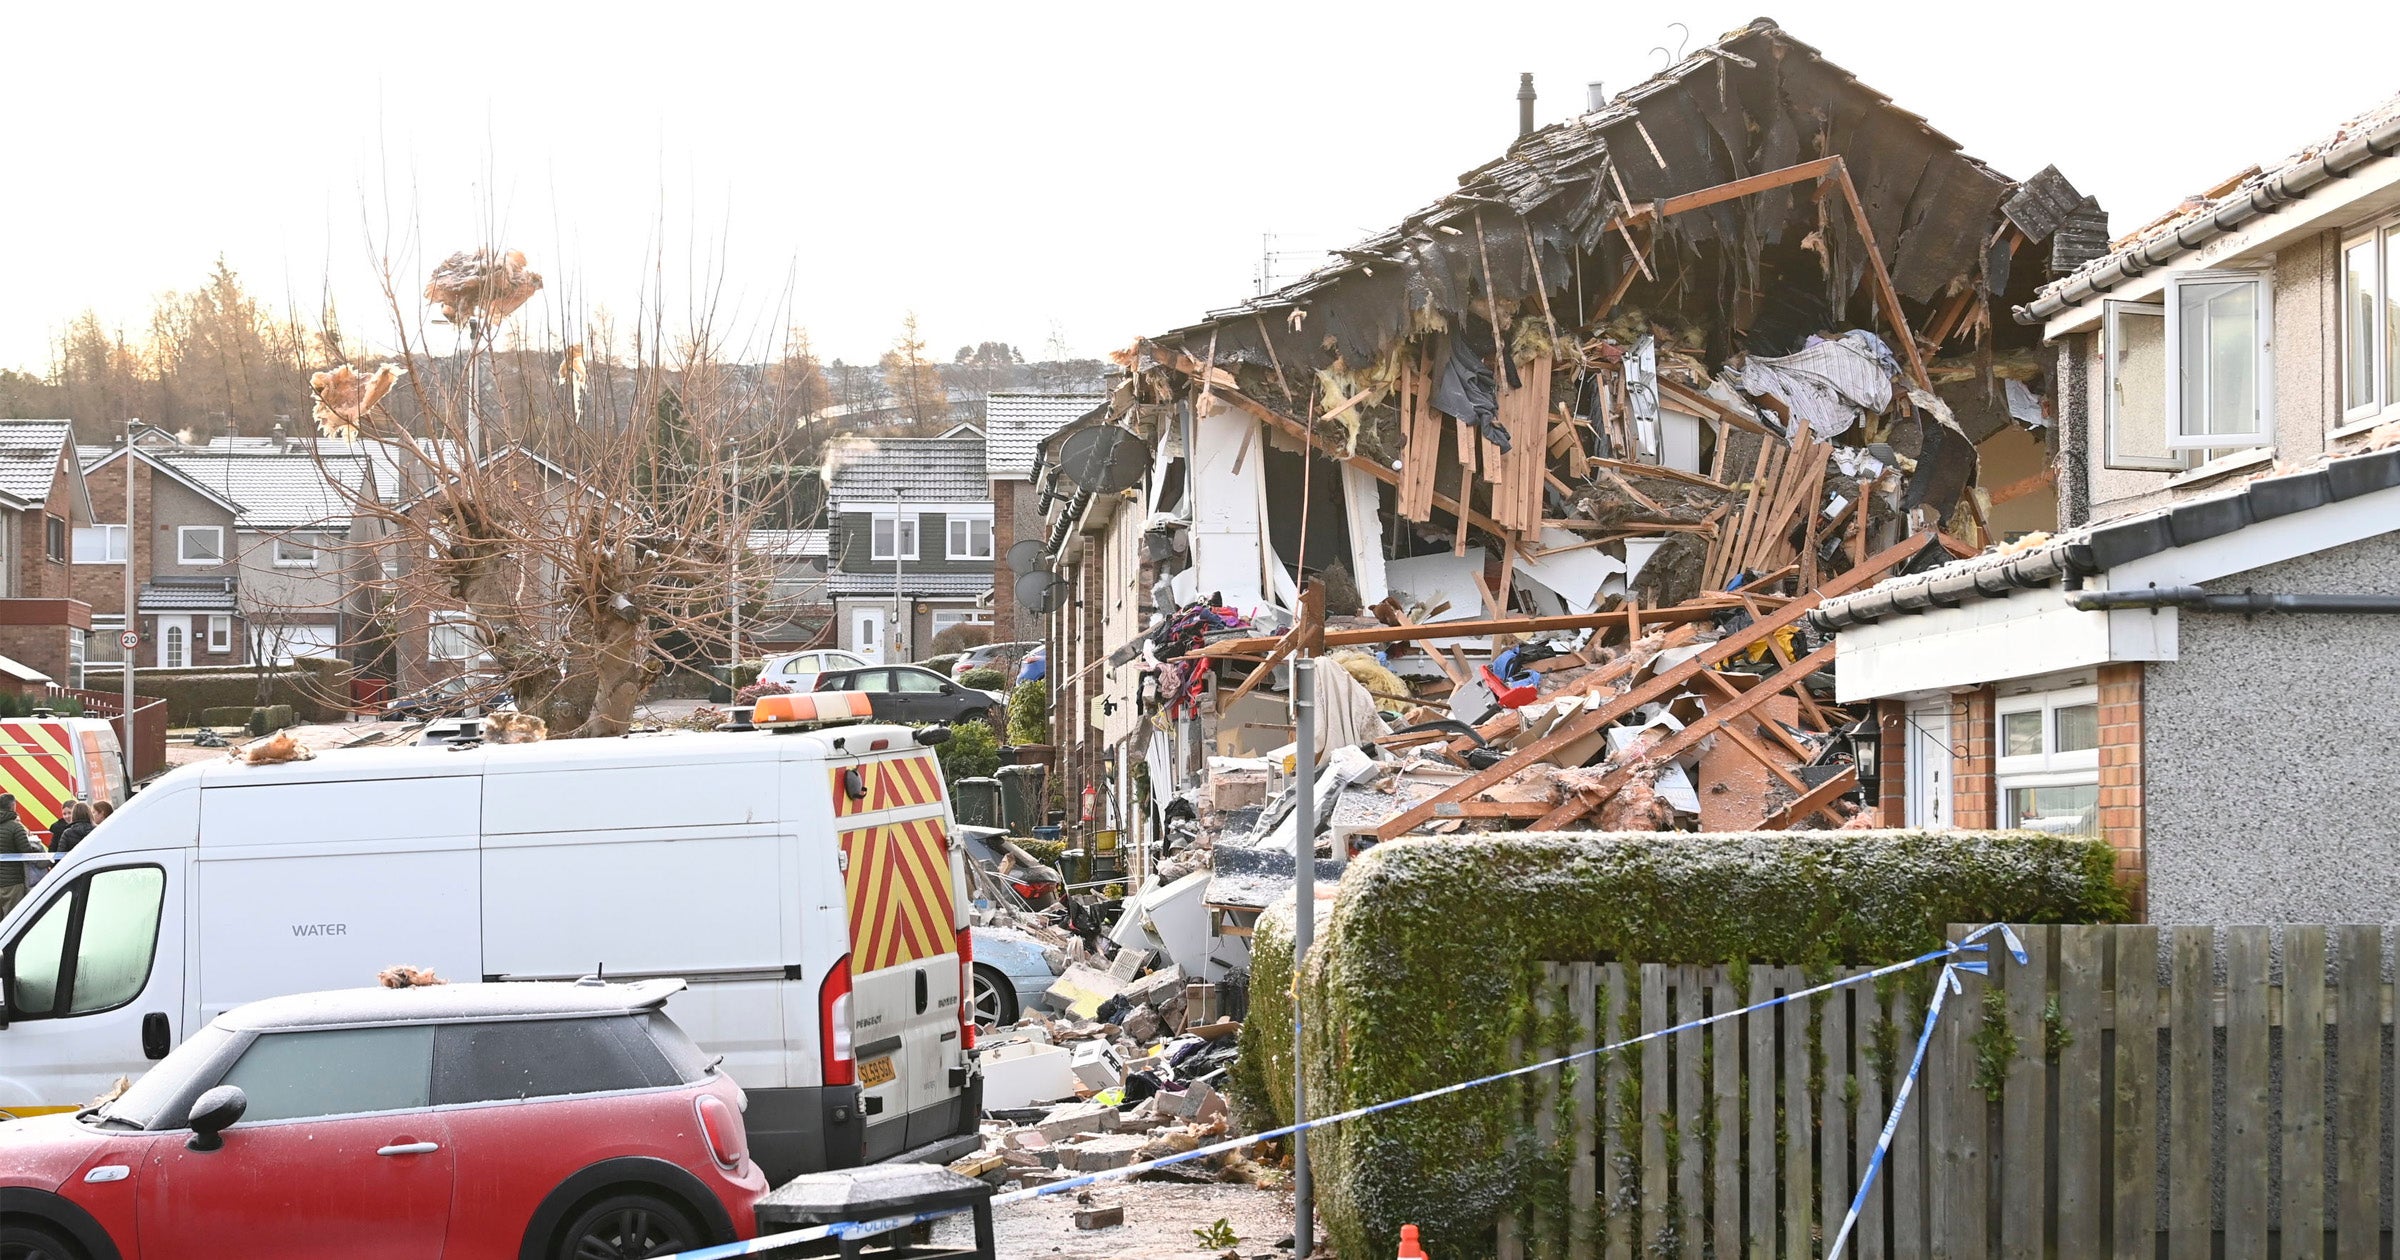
1945, 955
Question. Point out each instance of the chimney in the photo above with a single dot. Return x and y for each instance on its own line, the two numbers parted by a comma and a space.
1525, 103
276, 439
1595, 96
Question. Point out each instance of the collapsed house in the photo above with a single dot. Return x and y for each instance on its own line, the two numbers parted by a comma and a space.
1554, 471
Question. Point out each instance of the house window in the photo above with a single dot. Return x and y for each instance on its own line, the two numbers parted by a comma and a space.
2217, 372
54, 539
100, 544
883, 532
452, 636
2047, 760
76, 649
295, 553
944, 618
2370, 323
200, 544
220, 634
2134, 388
970, 538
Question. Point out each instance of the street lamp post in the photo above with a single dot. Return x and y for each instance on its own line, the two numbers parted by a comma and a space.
128, 638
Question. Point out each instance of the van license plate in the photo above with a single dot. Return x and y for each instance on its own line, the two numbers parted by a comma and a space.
875, 1072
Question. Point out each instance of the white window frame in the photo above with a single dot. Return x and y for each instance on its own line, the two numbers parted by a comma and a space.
116, 538
879, 537
220, 632
457, 623
281, 540
945, 618
2114, 315
2262, 430
2383, 400
183, 551
2049, 768
954, 551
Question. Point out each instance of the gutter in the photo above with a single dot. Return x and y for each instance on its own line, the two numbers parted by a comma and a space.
2248, 602
2259, 200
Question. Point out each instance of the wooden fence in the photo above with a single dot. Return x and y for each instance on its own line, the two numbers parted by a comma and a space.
2234, 1124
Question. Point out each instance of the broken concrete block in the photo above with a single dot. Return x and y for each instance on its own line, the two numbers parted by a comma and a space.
1098, 1065
1099, 1154
1099, 1217
1081, 991
1152, 989
1190, 1102
1199, 1003
1143, 1025
1065, 1122
1171, 1013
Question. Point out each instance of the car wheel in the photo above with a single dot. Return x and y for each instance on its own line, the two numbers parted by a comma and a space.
627, 1226
24, 1241
995, 998
977, 715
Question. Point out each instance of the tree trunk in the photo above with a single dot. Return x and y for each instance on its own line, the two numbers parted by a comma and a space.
618, 655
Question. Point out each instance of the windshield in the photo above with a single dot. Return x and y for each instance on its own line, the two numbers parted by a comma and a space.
144, 1105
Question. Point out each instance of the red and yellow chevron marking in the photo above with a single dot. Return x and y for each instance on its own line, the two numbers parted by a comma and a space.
896, 783
901, 898
36, 767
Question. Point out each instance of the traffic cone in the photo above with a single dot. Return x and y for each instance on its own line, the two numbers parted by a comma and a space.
1409, 1250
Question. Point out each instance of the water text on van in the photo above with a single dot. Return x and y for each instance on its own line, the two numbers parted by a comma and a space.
320, 929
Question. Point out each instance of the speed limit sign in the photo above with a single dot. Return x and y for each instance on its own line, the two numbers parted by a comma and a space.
129, 639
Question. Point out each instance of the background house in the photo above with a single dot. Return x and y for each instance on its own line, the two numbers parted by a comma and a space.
188, 602
42, 501
911, 542
2227, 422
1014, 426
296, 576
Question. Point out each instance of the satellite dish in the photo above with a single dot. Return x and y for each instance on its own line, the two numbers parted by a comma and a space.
1042, 592
1104, 460
1025, 555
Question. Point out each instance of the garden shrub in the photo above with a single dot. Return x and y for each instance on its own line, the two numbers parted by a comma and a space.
1428, 958
749, 695
959, 638
1029, 713
971, 752
984, 679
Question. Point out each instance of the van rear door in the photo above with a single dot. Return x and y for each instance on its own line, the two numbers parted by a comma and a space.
900, 883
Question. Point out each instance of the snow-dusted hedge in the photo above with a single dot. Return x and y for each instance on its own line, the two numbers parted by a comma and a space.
1423, 969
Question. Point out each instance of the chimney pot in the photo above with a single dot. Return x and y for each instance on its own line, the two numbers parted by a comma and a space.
1525, 103
1595, 96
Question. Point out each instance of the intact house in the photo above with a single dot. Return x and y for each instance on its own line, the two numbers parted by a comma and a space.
188, 607
300, 587
1014, 426
43, 500
2185, 666
911, 538
1553, 393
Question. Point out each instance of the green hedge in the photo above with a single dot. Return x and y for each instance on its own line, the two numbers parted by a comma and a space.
1029, 713
1424, 967
316, 689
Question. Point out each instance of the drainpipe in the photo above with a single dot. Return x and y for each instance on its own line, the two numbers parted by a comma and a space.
2248, 602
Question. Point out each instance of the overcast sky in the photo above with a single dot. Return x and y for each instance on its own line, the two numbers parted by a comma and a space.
1006, 171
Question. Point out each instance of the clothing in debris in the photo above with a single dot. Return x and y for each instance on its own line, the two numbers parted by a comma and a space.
2023, 405
1826, 383
1465, 392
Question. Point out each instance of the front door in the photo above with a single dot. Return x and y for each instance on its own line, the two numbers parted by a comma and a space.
866, 634
174, 641
96, 983
1927, 766
337, 1155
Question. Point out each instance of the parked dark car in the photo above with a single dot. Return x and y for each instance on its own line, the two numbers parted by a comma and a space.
912, 693
467, 695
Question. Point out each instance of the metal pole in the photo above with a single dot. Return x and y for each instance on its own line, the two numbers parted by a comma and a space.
733, 530
132, 619
891, 638
1304, 930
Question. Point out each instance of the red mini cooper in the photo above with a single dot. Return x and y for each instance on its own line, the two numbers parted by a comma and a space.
483, 1121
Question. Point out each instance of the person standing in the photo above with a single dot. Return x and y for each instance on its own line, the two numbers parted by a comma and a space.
71, 828
14, 843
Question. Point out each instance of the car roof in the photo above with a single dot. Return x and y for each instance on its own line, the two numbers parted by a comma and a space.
447, 1002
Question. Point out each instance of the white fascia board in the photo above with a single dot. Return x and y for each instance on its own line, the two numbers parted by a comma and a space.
2334, 205
914, 507
1990, 640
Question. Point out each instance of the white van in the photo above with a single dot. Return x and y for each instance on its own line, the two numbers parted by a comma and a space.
805, 883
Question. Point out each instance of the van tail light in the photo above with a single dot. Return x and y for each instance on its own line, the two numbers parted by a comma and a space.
966, 988
833, 1025
728, 1143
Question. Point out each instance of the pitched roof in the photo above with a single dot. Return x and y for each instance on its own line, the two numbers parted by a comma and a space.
383, 458
2199, 220
1017, 423
29, 456
277, 491
150, 455
913, 585
927, 470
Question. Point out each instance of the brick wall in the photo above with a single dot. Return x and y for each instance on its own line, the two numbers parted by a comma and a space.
103, 585
1975, 803
1891, 718
1005, 626
45, 648
2121, 787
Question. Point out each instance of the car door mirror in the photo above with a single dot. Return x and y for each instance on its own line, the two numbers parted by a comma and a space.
213, 1113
